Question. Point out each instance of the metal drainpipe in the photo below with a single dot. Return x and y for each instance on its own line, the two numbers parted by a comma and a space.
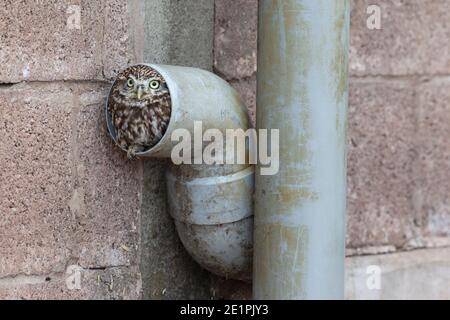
211, 204
299, 235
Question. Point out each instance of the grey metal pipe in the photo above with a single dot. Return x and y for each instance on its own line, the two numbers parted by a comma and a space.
299, 235
211, 204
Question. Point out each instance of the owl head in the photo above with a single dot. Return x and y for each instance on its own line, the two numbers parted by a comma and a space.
138, 85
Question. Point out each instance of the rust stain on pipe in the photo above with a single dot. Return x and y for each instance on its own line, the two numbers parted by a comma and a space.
290, 269
302, 91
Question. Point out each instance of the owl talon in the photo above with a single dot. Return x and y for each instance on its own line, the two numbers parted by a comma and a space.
131, 153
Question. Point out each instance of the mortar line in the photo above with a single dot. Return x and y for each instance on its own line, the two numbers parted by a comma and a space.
400, 78
8, 85
397, 251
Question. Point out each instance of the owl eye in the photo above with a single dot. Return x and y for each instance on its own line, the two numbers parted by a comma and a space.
154, 84
130, 82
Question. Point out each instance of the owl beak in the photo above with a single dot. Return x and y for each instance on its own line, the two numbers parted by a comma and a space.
140, 92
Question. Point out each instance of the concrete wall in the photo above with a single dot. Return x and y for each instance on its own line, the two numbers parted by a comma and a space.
71, 204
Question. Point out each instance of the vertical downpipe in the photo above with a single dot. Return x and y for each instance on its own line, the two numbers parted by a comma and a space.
299, 236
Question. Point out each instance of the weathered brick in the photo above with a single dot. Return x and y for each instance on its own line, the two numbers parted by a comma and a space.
247, 90
235, 38
37, 179
432, 175
110, 185
413, 38
39, 41
71, 195
110, 283
381, 151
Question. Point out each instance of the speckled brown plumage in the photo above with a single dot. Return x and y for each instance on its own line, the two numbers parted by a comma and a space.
140, 106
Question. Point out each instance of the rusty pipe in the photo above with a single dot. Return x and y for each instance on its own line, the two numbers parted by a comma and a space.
299, 227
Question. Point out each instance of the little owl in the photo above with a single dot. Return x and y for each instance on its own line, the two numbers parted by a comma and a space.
140, 107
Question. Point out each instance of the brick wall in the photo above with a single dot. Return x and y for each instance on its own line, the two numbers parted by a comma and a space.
67, 196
